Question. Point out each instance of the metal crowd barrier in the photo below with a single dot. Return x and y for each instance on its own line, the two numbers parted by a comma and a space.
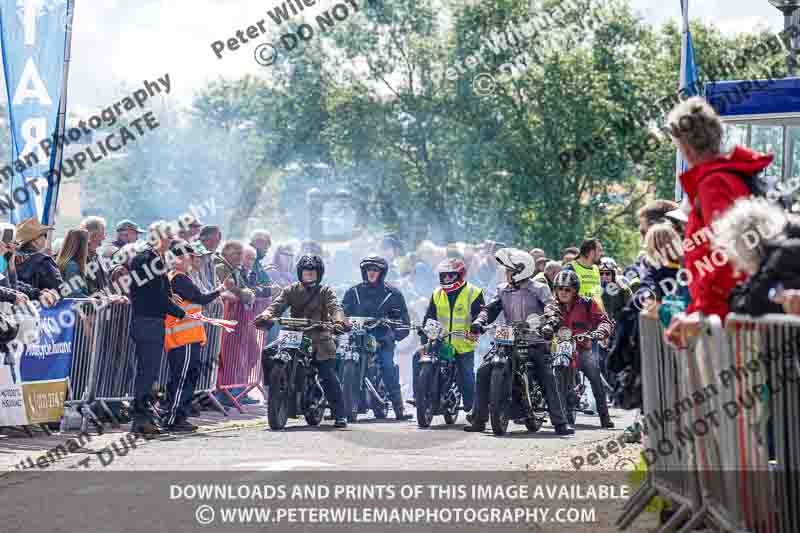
709, 455
240, 366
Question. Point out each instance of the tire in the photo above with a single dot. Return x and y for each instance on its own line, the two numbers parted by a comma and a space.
424, 402
278, 401
533, 424
451, 413
498, 401
315, 415
378, 408
350, 389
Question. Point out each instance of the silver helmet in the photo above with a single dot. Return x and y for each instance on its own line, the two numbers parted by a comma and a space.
519, 262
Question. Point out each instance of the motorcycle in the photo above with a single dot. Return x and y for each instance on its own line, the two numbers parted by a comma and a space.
360, 369
571, 382
439, 387
512, 392
293, 379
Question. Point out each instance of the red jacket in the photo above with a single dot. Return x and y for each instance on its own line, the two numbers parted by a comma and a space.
711, 192
583, 316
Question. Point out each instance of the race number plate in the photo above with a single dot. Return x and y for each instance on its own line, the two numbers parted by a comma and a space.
563, 355
433, 328
290, 339
504, 335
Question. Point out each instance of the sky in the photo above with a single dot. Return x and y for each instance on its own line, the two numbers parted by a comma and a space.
120, 40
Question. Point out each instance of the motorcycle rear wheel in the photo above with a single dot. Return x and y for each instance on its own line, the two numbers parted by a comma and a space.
278, 402
533, 424
423, 400
498, 401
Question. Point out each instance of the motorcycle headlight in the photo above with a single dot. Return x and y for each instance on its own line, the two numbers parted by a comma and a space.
371, 343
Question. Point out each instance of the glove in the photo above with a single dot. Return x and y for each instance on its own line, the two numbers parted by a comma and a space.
340, 327
546, 332
477, 328
423, 339
597, 335
262, 322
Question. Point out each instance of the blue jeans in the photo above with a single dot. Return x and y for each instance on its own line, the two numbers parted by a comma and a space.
391, 375
148, 334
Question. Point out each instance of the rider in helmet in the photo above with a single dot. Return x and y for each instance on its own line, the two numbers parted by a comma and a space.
309, 298
581, 315
373, 297
616, 295
517, 299
455, 304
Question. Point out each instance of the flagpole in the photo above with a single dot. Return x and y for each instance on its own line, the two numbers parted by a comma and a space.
51, 199
682, 84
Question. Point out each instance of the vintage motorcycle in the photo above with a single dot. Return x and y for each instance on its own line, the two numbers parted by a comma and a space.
571, 382
513, 395
360, 369
439, 387
293, 379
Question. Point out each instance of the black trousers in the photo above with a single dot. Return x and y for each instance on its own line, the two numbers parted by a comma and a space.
148, 334
588, 364
331, 386
184, 370
538, 369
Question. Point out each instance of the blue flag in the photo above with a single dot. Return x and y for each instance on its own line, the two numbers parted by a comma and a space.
34, 36
688, 84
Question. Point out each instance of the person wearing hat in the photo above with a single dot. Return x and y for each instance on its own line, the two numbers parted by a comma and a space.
184, 337
190, 227
127, 232
33, 265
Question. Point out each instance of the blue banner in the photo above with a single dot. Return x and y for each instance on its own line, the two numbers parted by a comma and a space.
33, 34
51, 357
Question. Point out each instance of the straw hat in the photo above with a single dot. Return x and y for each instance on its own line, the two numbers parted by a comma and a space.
30, 230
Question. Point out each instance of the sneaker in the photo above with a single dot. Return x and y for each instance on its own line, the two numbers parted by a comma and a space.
565, 429
182, 426
340, 423
146, 429
606, 423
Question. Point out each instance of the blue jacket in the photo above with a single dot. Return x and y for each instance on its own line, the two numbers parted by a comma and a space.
379, 301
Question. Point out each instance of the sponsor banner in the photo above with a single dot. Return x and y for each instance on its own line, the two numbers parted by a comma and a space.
33, 37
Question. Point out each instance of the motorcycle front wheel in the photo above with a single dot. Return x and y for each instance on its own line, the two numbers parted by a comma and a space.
452, 405
498, 401
533, 424
423, 399
350, 389
278, 397
315, 401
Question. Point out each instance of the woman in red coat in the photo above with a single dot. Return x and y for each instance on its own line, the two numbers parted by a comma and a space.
713, 182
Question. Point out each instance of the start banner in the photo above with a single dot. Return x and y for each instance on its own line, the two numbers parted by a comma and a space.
33, 378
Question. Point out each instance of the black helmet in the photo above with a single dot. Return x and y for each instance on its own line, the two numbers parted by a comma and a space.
567, 278
310, 262
374, 261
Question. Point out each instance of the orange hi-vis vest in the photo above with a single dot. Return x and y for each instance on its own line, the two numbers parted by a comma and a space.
183, 331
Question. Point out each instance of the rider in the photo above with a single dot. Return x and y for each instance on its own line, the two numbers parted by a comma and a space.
308, 298
377, 299
519, 298
455, 305
581, 315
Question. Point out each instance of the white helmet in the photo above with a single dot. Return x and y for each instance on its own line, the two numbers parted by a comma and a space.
519, 262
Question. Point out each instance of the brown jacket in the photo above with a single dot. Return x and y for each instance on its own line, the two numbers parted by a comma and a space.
317, 304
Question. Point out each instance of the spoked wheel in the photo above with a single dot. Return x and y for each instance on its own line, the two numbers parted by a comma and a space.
498, 401
278, 401
423, 399
453, 403
378, 406
316, 405
350, 389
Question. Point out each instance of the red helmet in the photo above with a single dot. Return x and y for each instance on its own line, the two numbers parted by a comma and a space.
447, 268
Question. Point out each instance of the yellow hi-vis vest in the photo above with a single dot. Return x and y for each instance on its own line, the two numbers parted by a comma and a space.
183, 331
458, 319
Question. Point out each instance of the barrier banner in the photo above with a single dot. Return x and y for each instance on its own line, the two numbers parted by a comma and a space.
34, 36
33, 376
